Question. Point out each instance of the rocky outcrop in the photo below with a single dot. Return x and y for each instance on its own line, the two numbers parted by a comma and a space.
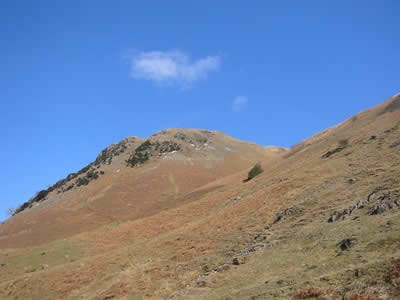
151, 148
395, 144
377, 202
107, 155
288, 212
343, 144
384, 202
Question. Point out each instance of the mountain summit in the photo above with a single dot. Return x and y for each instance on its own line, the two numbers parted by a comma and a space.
131, 179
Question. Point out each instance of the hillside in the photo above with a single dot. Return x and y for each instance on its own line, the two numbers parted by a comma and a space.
170, 217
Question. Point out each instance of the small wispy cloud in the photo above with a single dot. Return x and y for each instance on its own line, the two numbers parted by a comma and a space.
172, 67
239, 103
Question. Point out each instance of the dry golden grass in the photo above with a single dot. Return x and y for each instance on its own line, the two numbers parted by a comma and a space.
171, 230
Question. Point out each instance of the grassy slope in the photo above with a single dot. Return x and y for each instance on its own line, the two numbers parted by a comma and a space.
186, 252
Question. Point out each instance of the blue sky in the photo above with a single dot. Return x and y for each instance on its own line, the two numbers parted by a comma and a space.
79, 75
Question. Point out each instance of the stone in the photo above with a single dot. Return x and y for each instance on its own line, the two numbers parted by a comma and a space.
235, 261
201, 283
345, 244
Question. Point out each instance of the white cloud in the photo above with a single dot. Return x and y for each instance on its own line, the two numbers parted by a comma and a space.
239, 102
173, 67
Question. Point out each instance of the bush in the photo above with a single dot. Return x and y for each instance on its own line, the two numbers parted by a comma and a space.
141, 155
82, 181
256, 170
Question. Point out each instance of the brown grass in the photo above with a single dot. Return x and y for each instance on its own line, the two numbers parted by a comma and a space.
147, 232
310, 292
394, 271
359, 296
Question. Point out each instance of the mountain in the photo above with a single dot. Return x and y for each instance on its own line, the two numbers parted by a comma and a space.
130, 180
173, 217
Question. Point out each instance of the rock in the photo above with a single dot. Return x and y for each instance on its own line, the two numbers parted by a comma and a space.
235, 261
288, 212
395, 144
351, 180
201, 283
224, 267
345, 244
331, 152
205, 268
385, 202
357, 273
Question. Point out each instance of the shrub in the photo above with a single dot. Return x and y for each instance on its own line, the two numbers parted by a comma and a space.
82, 181
141, 155
256, 170
68, 188
144, 146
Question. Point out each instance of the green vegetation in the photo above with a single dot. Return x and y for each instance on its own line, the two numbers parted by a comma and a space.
256, 170
137, 158
147, 149
166, 146
141, 154
85, 180
41, 195
107, 155
144, 146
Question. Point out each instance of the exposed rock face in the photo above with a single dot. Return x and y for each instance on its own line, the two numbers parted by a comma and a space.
83, 177
343, 144
288, 212
149, 149
167, 141
395, 144
384, 202
110, 152
378, 202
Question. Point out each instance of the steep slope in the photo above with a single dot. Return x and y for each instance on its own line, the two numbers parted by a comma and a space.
130, 180
321, 222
